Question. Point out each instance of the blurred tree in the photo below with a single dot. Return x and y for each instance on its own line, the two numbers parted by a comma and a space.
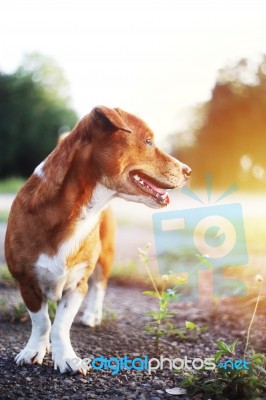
229, 136
34, 106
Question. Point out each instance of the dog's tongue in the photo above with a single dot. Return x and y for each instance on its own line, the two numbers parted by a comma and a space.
155, 188
158, 190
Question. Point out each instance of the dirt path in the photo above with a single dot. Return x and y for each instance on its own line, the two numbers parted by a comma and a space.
122, 333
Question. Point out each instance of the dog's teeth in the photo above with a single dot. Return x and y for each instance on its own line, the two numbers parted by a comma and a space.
164, 196
136, 177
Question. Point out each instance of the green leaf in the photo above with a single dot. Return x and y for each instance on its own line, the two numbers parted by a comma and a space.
180, 334
226, 349
261, 369
232, 347
148, 328
190, 325
258, 358
169, 325
218, 355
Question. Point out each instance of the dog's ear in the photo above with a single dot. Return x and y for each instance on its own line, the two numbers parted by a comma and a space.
110, 119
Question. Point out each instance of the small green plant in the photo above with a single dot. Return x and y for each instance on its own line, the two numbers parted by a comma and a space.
5, 276
194, 329
20, 313
11, 314
160, 324
229, 383
109, 317
237, 378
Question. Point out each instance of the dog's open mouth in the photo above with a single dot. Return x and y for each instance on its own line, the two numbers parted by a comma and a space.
150, 187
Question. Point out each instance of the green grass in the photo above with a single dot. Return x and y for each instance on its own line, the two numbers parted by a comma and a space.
5, 276
132, 273
52, 306
128, 268
17, 313
11, 185
20, 313
109, 317
128, 273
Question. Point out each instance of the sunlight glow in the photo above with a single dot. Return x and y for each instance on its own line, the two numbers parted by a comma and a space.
153, 58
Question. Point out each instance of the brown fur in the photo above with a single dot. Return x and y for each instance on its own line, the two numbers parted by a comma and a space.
104, 147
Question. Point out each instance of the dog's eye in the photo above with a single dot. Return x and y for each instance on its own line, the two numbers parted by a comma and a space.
149, 142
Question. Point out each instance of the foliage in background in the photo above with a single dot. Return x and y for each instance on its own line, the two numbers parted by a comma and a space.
11, 185
34, 108
227, 134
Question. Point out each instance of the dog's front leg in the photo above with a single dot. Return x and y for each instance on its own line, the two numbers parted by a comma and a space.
39, 341
62, 351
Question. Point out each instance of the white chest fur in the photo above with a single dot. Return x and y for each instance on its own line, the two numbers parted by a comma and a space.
52, 274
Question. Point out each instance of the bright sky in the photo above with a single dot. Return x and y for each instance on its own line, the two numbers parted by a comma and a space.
155, 58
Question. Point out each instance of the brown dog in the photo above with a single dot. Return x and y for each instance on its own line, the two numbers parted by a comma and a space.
93, 301
58, 226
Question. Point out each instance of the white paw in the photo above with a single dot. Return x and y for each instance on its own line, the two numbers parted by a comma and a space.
91, 319
66, 360
33, 355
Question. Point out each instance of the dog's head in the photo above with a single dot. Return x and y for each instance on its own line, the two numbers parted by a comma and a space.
127, 160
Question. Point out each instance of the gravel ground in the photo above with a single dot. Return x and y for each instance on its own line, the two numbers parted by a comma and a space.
121, 336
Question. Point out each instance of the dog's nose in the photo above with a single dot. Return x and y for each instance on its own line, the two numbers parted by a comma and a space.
186, 170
